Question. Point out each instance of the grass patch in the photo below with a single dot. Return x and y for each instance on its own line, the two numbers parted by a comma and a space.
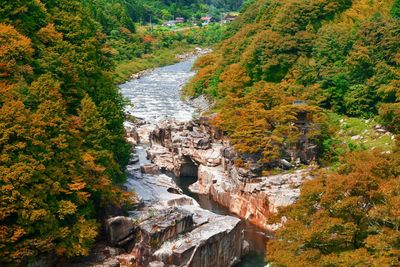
353, 134
359, 134
161, 57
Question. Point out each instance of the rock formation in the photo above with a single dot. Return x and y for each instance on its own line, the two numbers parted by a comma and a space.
196, 149
170, 228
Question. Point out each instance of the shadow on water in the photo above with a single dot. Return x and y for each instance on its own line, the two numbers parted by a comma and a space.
254, 235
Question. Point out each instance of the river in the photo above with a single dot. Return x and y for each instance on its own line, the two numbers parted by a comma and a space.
156, 96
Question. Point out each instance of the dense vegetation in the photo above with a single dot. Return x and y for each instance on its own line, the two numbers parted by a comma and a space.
341, 56
160, 10
157, 11
344, 218
339, 62
62, 141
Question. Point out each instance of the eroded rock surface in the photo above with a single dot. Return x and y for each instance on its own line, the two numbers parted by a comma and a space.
171, 228
215, 243
182, 146
120, 230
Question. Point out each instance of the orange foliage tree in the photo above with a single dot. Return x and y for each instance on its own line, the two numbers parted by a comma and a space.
52, 173
346, 218
263, 121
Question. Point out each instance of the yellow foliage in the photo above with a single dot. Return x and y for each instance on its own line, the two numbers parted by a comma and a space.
66, 207
49, 34
13, 47
77, 186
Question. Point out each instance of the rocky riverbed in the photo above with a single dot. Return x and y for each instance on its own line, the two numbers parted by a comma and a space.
170, 228
173, 227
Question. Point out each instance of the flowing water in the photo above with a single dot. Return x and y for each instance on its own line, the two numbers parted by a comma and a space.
156, 96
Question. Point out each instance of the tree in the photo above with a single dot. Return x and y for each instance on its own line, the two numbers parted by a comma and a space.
344, 218
15, 51
43, 191
234, 78
341, 56
264, 121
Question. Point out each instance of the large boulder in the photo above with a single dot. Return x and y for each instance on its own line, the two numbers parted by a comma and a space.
164, 225
153, 232
215, 243
150, 169
120, 230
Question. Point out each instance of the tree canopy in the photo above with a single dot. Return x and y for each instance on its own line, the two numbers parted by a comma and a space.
62, 140
349, 217
340, 56
284, 58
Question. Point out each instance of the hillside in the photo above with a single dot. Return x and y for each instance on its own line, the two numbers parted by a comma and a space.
322, 74
337, 56
62, 144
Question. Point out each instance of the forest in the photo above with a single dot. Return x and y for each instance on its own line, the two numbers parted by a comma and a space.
336, 63
63, 149
336, 56
160, 10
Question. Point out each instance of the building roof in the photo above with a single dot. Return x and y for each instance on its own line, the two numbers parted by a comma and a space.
169, 22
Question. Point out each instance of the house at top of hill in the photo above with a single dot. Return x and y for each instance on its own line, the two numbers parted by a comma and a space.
179, 20
206, 20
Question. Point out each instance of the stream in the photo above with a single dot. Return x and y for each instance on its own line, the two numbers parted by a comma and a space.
156, 96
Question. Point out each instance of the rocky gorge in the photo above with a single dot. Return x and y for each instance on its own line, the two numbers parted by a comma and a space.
170, 227
194, 148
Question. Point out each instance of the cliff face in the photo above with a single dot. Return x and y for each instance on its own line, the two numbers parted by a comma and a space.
196, 149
